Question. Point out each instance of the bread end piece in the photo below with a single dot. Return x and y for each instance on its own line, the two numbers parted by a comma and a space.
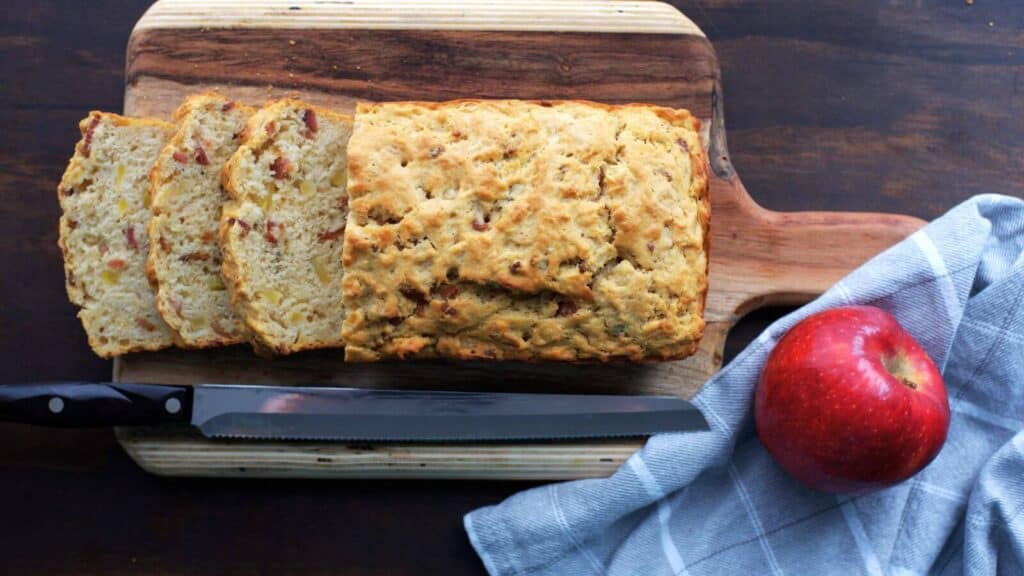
525, 230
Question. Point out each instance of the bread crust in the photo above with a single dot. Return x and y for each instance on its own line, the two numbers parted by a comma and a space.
619, 192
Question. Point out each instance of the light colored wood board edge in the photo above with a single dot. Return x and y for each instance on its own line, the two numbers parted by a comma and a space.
509, 15
177, 455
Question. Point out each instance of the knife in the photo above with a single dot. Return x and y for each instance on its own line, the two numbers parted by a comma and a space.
347, 414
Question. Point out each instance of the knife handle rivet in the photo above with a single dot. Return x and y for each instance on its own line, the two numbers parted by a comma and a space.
172, 405
56, 405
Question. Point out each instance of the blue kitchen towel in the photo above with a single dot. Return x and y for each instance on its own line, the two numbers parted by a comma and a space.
716, 503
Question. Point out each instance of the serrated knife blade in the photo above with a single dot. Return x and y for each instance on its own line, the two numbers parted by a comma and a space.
351, 414
348, 414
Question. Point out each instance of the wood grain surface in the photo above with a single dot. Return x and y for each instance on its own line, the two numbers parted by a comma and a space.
612, 52
867, 105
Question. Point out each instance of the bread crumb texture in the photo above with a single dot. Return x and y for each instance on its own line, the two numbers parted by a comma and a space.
281, 232
103, 232
525, 230
186, 197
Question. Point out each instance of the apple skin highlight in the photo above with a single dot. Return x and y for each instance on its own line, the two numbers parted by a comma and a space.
848, 401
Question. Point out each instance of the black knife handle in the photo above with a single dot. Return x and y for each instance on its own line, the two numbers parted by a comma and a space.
85, 404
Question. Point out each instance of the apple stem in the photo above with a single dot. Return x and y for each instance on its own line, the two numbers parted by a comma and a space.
898, 366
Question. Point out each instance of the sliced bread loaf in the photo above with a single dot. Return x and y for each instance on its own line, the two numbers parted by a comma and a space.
281, 235
103, 232
186, 197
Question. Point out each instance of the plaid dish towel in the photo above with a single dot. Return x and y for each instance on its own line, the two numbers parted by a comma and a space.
716, 503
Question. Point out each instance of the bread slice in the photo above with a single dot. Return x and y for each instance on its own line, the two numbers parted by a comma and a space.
281, 234
525, 230
184, 262
103, 232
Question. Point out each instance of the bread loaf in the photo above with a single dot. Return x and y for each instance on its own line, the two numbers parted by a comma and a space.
525, 230
103, 232
185, 194
281, 233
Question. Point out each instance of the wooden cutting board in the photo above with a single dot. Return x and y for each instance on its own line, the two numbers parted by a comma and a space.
336, 53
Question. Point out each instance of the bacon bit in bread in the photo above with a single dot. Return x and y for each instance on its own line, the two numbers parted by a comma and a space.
104, 249
683, 145
145, 324
208, 237
116, 264
129, 233
177, 307
566, 308
271, 128
515, 267
229, 106
201, 158
269, 234
650, 246
180, 157
67, 192
219, 330
421, 309
164, 245
198, 256
72, 224
331, 234
281, 167
309, 117
87, 145
412, 294
448, 291
480, 225
448, 309
343, 203
241, 224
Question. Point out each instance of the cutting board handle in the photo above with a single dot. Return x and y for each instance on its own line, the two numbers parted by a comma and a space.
816, 249
810, 251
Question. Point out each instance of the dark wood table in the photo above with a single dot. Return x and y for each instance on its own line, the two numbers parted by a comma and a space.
830, 104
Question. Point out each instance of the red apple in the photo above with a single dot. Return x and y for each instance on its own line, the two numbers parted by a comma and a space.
848, 401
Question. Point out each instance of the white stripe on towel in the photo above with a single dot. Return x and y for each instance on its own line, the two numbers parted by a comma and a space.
755, 520
650, 484
860, 536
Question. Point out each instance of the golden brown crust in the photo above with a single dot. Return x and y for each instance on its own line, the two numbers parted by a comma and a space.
561, 230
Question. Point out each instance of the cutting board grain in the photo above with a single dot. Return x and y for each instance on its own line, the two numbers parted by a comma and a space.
336, 53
